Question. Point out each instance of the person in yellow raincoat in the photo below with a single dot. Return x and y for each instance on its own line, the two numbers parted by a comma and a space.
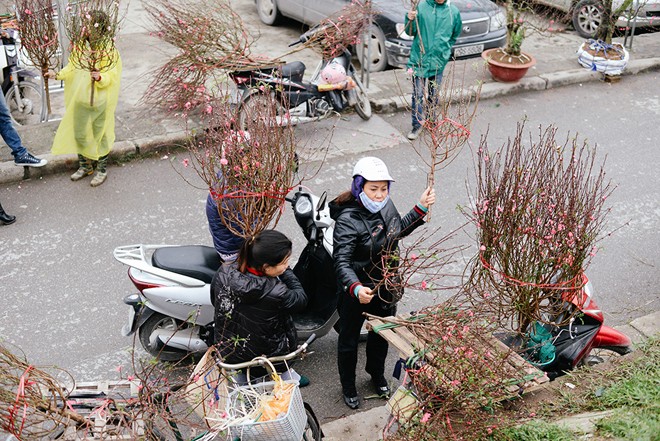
88, 128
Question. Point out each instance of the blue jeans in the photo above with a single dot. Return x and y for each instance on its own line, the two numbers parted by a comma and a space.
420, 85
8, 132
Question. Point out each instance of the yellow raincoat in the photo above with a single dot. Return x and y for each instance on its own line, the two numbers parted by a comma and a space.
88, 130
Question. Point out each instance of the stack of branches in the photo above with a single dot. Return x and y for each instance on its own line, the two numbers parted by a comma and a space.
249, 171
31, 401
92, 27
39, 36
34, 405
419, 265
210, 38
539, 211
448, 118
459, 376
334, 34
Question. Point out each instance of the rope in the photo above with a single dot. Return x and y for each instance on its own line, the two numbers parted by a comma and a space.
20, 396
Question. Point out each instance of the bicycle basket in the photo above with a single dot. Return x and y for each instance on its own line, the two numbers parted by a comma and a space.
245, 399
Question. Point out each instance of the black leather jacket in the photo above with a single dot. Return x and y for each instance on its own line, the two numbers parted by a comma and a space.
360, 237
253, 313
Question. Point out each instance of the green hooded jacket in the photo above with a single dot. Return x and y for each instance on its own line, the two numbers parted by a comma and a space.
438, 26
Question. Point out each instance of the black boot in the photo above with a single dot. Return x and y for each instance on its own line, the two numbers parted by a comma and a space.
6, 219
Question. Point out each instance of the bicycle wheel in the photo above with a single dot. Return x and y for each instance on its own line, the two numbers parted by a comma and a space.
312, 430
33, 110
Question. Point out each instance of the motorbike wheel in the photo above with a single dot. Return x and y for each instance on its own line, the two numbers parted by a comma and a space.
260, 108
604, 354
312, 430
157, 348
34, 107
363, 106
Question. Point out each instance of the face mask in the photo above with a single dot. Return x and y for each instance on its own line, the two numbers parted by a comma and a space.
372, 206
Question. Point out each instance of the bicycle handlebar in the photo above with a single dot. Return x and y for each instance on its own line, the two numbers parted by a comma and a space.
261, 361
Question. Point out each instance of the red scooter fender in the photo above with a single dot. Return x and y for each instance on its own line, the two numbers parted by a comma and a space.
611, 338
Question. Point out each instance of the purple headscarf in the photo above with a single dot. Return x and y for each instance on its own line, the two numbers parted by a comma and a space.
358, 185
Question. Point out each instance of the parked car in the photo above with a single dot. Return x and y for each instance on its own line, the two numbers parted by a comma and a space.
483, 26
586, 15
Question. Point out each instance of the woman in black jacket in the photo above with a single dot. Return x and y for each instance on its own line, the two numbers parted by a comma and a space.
254, 299
367, 226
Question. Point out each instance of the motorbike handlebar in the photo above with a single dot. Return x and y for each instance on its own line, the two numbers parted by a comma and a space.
262, 361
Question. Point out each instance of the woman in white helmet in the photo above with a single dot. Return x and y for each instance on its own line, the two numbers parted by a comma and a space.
367, 226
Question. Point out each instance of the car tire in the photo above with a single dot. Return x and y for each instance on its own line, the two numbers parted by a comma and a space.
268, 12
587, 16
378, 52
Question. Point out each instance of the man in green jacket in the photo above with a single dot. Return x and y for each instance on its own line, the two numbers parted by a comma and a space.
435, 26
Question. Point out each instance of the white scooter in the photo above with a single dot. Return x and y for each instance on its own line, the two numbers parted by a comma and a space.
172, 311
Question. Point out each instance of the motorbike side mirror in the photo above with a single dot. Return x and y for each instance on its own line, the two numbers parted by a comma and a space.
321, 205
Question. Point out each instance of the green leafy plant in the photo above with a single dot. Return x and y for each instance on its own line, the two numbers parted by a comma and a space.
515, 30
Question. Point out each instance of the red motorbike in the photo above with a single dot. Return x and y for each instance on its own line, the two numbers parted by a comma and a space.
583, 340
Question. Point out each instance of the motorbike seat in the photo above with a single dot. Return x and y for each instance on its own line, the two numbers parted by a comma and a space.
295, 71
197, 261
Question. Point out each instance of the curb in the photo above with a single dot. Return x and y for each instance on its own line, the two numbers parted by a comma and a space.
539, 82
9, 173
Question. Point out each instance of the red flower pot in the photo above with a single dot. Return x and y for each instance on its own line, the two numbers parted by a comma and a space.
506, 68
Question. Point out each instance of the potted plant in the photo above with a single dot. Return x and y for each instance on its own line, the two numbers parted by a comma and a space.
600, 54
509, 63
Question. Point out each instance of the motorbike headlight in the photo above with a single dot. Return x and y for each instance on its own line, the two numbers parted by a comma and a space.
303, 205
497, 21
401, 32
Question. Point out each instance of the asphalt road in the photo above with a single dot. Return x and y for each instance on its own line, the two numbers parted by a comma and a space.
61, 289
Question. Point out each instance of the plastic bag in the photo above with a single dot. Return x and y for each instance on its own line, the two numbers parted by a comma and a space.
207, 390
276, 404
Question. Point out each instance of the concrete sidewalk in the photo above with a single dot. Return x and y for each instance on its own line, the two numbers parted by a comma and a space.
140, 128
368, 425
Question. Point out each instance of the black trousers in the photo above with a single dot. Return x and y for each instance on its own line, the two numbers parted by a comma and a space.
350, 323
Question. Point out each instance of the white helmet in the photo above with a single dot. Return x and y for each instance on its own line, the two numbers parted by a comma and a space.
372, 169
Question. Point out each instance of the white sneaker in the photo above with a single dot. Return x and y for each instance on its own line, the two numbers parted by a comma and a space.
414, 133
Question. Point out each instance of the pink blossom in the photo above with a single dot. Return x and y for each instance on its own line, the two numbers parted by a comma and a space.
413, 256
423, 284
426, 418
482, 247
224, 161
28, 12
185, 162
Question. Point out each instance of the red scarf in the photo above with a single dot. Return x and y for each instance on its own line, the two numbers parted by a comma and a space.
256, 272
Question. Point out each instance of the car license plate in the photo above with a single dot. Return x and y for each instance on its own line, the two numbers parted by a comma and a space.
468, 50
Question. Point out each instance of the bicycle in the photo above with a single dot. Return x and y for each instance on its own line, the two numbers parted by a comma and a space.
25, 98
232, 401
